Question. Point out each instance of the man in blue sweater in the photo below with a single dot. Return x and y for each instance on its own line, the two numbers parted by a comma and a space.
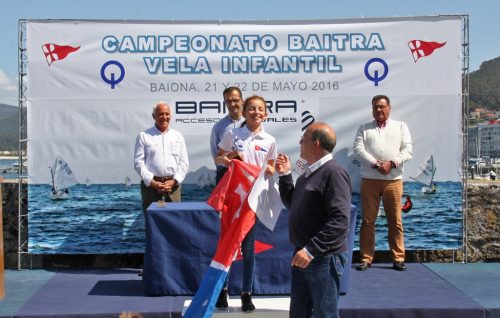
319, 208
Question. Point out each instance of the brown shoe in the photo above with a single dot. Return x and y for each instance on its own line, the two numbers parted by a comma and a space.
399, 266
363, 266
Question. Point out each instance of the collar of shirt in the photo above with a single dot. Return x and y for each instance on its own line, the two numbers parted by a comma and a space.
162, 132
315, 166
235, 121
259, 135
381, 125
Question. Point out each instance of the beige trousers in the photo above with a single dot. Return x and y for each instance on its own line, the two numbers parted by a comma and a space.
390, 191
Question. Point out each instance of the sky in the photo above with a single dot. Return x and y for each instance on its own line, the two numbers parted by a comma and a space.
484, 24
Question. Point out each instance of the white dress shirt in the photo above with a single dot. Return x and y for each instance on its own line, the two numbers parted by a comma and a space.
160, 154
315, 166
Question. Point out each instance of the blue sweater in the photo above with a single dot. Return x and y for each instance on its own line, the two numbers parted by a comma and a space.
319, 209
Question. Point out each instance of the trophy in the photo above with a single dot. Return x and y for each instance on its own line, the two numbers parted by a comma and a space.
161, 203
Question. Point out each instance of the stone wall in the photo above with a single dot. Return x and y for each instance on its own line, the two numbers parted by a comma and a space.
10, 224
483, 216
483, 237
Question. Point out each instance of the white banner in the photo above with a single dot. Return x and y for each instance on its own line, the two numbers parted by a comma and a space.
92, 86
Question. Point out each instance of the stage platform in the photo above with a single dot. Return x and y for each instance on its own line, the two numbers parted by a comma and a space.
424, 290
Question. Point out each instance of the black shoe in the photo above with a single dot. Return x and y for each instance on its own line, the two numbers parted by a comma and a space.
222, 300
246, 303
363, 266
399, 266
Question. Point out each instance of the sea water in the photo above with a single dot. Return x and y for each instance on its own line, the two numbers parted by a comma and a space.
107, 218
8, 170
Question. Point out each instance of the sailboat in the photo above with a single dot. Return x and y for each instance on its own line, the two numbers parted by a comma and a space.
127, 182
425, 176
62, 179
205, 180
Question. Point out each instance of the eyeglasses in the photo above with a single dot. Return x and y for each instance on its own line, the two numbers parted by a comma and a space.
232, 101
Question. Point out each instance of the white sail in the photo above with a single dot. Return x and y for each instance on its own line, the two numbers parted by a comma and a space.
426, 172
202, 180
206, 180
127, 181
210, 180
62, 176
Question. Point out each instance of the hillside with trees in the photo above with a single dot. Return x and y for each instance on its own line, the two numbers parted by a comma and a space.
9, 132
484, 86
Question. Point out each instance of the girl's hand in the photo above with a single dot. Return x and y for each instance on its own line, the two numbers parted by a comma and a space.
269, 170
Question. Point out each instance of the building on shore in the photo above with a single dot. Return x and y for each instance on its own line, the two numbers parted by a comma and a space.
484, 141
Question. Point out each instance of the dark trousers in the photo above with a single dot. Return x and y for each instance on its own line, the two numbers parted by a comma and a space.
219, 173
150, 195
248, 252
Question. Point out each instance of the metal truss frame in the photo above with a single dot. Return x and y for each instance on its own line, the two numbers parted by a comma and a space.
22, 215
465, 131
24, 258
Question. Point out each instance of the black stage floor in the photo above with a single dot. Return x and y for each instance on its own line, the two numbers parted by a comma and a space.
424, 290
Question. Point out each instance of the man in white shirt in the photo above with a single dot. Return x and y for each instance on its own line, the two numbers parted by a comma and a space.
160, 159
383, 146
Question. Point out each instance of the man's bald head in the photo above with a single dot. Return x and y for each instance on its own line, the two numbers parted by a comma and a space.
325, 134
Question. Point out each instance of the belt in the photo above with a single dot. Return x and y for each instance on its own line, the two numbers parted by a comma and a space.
162, 179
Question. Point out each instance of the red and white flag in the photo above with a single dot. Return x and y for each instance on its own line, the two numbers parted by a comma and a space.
420, 48
264, 199
54, 52
231, 198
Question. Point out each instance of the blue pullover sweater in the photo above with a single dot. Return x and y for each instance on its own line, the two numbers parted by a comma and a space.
319, 209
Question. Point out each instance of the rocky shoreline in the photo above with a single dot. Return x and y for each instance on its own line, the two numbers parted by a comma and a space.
482, 237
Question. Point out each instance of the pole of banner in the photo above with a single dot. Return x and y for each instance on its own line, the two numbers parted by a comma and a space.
2, 287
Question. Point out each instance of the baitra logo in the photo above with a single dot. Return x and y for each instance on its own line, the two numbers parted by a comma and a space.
420, 48
54, 52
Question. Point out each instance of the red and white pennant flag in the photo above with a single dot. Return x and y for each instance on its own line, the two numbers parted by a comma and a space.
420, 48
54, 52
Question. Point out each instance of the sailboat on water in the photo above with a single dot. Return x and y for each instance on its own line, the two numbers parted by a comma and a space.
62, 179
425, 176
127, 182
206, 180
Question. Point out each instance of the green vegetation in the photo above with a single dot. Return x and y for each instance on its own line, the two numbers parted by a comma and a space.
485, 86
9, 132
